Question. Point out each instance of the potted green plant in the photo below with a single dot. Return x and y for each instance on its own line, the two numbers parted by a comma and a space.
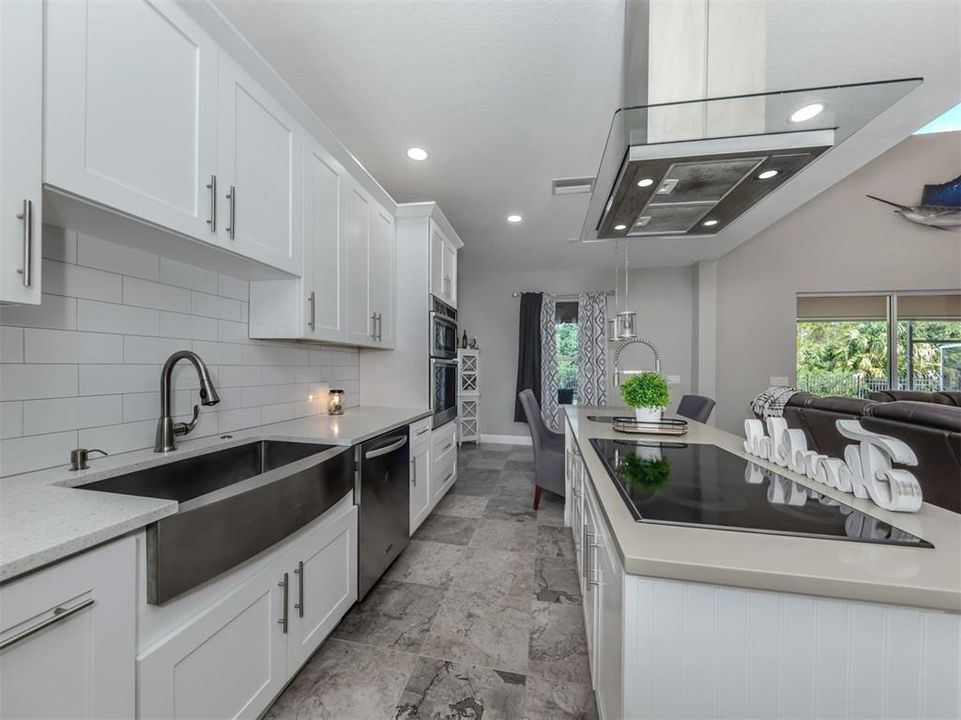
648, 394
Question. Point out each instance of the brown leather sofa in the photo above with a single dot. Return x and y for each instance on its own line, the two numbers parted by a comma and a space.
931, 428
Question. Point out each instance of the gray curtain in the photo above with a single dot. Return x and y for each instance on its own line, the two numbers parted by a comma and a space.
592, 349
528, 351
549, 407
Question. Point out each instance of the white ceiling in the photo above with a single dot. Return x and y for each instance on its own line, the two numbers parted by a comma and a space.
507, 96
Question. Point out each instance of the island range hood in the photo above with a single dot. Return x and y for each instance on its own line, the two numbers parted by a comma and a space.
691, 168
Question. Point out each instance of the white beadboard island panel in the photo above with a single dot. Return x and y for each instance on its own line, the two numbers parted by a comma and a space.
83, 368
706, 651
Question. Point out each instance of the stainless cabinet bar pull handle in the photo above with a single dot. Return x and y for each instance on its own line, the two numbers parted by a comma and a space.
212, 186
27, 216
373, 326
380, 326
59, 614
312, 299
299, 572
421, 432
448, 478
413, 472
284, 584
232, 212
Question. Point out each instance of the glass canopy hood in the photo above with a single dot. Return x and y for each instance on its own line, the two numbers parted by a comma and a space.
690, 168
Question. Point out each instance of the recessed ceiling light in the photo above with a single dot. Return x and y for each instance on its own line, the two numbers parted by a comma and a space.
710, 223
646, 182
807, 112
514, 219
417, 153
620, 227
767, 175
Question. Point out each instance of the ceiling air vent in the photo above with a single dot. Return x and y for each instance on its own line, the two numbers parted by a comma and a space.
572, 186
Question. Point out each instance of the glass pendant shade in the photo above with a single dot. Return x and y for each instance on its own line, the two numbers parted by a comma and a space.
611, 330
626, 327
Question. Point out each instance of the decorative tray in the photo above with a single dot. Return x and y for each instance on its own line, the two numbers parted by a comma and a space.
666, 426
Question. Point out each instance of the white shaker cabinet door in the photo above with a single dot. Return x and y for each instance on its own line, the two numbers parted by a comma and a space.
420, 496
131, 110
382, 270
261, 173
325, 247
360, 314
21, 149
450, 273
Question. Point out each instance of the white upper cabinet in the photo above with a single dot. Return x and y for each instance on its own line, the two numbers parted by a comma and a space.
131, 110
21, 149
259, 172
382, 273
443, 266
361, 320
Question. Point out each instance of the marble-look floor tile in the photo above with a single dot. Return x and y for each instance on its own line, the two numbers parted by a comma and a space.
558, 648
555, 542
550, 512
510, 508
394, 615
515, 464
524, 491
447, 529
479, 629
426, 563
345, 681
556, 581
559, 700
443, 690
472, 481
487, 460
461, 506
505, 535
494, 573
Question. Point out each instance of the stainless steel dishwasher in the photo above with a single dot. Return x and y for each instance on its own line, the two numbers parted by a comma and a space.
382, 494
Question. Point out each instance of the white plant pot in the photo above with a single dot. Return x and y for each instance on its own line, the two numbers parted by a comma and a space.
648, 414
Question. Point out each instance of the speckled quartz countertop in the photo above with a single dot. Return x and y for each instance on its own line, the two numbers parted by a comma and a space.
44, 518
918, 577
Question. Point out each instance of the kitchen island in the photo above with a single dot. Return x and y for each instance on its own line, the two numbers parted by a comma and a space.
686, 621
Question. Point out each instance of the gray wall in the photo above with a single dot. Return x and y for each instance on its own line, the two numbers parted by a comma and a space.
663, 299
839, 241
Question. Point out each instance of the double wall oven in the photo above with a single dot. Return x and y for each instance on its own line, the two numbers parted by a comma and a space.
443, 362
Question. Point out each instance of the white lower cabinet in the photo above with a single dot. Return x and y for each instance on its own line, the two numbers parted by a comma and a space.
235, 657
443, 473
68, 638
420, 496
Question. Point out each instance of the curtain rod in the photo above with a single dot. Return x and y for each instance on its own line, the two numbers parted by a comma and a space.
609, 293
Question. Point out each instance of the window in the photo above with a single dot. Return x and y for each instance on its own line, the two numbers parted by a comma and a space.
845, 343
566, 333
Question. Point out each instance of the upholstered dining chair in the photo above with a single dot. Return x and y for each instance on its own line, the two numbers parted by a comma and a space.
548, 450
696, 407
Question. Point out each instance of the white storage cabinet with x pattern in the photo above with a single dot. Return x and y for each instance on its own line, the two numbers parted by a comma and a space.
468, 396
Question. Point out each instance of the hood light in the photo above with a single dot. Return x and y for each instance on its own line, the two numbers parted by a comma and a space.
710, 223
807, 112
514, 219
646, 182
767, 175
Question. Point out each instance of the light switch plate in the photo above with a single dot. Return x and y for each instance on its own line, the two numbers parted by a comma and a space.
673, 379
778, 381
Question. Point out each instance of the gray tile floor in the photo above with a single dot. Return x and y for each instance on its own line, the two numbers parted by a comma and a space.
479, 618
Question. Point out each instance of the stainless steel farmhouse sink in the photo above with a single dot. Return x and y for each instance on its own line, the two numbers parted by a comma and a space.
234, 503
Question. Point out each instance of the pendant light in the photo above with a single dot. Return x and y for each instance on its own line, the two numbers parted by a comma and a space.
625, 326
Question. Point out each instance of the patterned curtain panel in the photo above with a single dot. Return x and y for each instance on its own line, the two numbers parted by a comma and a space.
592, 349
549, 361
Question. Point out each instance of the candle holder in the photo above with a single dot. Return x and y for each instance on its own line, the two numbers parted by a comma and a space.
335, 402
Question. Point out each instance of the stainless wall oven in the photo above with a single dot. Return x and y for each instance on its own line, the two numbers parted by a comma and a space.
443, 330
443, 399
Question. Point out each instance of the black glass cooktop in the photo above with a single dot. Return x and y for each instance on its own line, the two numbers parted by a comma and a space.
680, 484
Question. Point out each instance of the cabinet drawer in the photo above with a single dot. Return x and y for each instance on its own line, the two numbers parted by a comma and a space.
420, 432
444, 439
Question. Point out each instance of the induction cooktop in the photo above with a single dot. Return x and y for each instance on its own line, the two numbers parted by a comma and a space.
703, 485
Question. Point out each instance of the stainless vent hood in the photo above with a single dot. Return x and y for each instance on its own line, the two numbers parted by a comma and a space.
691, 168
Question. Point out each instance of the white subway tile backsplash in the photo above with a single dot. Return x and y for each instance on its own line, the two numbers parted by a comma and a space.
22, 454
11, 344
151, 350
11, 419
233, 287
112, 318
26, 382
120, 259
178, 325
47, 416
70, 346
155, 295
54, 311
83, 368
214, 307
61, 278
174, 272
108, 379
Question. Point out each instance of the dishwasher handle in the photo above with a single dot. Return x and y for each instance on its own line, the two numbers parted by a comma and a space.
387, 449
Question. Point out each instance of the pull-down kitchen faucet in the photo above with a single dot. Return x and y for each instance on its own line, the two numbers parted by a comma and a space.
167, 429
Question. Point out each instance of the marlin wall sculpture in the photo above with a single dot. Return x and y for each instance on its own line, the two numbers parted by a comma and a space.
940, 206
